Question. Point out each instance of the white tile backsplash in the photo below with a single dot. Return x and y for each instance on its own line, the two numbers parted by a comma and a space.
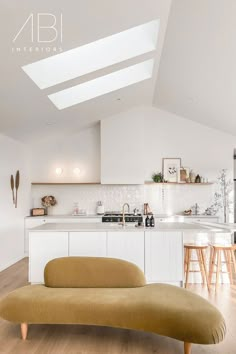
165, 199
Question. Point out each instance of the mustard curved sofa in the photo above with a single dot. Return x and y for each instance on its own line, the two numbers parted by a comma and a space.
113, 292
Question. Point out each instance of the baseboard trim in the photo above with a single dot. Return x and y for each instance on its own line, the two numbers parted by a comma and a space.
9, 264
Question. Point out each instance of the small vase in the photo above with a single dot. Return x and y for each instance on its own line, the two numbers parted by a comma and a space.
192, 176
198, 179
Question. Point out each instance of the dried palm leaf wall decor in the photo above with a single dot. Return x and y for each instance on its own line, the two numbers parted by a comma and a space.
15, 183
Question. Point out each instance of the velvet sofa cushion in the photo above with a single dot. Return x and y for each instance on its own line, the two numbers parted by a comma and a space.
92, 272
163, 309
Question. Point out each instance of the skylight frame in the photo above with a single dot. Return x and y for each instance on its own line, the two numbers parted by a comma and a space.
103, 85
94, 56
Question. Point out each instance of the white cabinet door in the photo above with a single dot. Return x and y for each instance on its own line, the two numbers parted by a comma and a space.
29, 224
126, 245
164, 256
44, 246
91, 244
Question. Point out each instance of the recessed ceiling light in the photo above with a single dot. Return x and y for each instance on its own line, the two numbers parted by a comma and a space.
103, 85
94, 56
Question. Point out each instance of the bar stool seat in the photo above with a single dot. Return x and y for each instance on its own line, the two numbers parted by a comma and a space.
217, 251
201, 260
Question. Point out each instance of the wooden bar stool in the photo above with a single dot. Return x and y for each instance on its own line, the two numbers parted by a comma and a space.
201, 260
217, 251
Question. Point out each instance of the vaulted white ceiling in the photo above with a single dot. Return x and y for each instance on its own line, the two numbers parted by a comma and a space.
26, 111
197, 74
196, 77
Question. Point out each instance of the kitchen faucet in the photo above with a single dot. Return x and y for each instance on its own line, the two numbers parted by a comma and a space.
123, 213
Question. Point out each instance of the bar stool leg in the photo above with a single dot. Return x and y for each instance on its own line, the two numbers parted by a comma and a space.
188, 266
212, 264
218, 268
228, 265
185, 260
201, 265
205, 268
233, 260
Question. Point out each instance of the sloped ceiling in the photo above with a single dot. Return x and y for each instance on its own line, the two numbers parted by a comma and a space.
197, 73
26, 112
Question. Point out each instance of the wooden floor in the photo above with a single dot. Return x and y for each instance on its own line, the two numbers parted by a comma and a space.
60, 339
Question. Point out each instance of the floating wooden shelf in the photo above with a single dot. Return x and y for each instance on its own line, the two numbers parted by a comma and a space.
65, 183
179, 183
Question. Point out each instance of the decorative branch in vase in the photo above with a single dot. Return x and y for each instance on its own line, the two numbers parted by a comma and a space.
223, 200
48, 201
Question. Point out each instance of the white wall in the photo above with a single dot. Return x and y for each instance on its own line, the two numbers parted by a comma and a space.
13, 157
122, 150
113, 197
80, 150
203, 149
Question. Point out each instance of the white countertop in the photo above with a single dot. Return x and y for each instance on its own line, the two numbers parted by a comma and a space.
198, 216
100, 216
166, 226
230, 227
64, 216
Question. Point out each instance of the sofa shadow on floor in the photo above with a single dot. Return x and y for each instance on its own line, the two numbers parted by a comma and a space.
81, 339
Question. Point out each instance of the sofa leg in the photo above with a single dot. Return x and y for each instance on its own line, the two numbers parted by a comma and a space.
24, 330
187, 348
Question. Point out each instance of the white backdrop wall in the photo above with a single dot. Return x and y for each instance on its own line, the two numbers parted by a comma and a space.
162, 200
81, 150
203, 149
13, 157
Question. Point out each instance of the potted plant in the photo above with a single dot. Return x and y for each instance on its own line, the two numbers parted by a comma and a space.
158, 177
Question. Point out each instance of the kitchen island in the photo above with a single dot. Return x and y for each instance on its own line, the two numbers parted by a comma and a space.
157, 251
34, 221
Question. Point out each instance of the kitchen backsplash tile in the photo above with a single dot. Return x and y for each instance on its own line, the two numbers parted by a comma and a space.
163, 199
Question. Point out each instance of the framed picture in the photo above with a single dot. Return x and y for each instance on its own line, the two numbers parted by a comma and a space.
171, 169
184, 174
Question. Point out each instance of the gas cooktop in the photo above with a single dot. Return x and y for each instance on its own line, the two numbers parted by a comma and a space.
117, 217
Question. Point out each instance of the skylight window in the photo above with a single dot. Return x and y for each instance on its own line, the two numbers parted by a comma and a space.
103, 85
94, 56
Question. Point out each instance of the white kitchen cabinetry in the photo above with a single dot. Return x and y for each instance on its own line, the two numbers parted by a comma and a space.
35, 221
122, 157
44, 246
158, 254
29, 224
126, 245
164, 257
91, 244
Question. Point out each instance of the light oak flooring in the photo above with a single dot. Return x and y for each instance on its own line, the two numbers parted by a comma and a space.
61, 339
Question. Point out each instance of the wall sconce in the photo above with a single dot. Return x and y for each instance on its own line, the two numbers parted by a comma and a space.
76, 171
59, 171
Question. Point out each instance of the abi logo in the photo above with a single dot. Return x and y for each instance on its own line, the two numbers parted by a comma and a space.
41, 28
